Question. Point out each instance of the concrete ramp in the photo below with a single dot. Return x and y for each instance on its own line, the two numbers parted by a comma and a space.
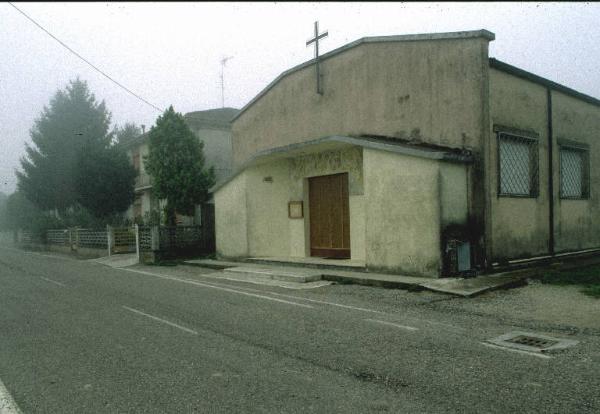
478, 285
118, 260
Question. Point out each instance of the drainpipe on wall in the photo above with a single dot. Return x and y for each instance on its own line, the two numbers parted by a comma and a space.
550, 174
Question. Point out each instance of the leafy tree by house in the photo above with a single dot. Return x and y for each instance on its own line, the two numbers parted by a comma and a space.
73, 120
105, 181
127, 132
176, 163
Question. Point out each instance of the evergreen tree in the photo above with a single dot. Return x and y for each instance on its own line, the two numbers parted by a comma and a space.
105, 181
72, 121
176, 163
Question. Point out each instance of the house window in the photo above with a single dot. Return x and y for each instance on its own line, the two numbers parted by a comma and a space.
517, 165
574, 172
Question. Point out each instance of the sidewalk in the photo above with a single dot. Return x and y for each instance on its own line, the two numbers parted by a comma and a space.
455, 286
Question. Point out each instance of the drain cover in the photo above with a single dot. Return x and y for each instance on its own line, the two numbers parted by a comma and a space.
532, 342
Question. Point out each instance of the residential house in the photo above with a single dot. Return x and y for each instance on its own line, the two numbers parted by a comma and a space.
213, 128
421, 156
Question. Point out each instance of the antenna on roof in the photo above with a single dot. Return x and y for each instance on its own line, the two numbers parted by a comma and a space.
223, 62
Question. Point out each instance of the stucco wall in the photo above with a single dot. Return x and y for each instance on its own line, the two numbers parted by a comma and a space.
519, 226
428, 90
453, 193
398, 204
402, 206
267, 204
230, 218
577, 222
267, 189
217, 149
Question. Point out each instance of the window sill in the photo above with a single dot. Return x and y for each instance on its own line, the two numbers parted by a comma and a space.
517, 196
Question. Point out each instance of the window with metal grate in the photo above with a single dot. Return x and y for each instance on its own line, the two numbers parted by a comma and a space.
517, 165
574, 173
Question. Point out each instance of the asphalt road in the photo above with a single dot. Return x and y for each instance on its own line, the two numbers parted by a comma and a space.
77, 336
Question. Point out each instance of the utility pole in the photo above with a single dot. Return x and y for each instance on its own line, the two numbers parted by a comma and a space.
223, 62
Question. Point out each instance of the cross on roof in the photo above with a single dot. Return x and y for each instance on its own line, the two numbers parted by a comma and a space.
315, 40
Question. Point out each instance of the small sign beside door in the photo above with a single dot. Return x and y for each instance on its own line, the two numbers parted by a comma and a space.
295, 210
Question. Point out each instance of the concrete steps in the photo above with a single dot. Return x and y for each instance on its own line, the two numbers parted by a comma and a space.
331, 265
285, 274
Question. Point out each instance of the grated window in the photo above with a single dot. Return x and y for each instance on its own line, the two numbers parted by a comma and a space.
573, 173
517, 165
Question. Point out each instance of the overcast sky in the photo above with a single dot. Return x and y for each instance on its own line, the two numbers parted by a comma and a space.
169, 53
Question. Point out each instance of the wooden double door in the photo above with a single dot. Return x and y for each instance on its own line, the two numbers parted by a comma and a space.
329, 216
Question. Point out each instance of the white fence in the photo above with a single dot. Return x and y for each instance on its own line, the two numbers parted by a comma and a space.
93, 239
158, 241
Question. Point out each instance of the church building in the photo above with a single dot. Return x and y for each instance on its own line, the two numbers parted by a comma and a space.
413, 155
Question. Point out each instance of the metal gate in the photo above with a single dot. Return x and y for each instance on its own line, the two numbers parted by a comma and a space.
122, 239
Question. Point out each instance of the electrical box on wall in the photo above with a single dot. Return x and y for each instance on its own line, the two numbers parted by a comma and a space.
457, 257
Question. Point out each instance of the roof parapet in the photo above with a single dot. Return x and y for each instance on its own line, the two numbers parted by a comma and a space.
486, 34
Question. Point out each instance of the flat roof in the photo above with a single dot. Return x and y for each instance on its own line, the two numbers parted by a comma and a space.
523, 74
373, 39
390, 144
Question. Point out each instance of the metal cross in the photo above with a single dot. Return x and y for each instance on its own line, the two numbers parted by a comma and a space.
315, 40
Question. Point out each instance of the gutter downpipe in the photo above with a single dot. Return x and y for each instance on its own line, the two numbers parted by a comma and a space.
550, 175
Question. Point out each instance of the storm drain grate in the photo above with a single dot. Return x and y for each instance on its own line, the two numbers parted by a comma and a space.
536, 342
527, 341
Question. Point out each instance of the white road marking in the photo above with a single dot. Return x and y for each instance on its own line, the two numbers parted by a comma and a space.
454, 328
239, 292
517, 350
408, 328
53, 281
215, 285
357, 308
328, 303
295, 297
7, 403
183, 328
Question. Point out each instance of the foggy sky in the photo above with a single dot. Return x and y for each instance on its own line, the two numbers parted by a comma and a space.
169, 53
